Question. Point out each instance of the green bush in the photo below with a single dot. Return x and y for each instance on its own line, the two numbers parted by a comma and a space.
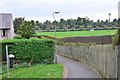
75, 44
27, 29
34, 49
22, 65
18, 37
3, 44
116, 38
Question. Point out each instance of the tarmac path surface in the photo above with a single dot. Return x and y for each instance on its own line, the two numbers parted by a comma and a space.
77, 69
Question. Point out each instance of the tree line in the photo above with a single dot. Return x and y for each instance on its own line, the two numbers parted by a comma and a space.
69, 24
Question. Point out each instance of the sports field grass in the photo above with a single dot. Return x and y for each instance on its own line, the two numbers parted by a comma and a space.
79, 33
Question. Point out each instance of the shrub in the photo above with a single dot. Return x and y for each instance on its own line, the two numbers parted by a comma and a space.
27, 29
32, 50
22, 65
3, 43
75, 44
116, 38
17, 37
32, 38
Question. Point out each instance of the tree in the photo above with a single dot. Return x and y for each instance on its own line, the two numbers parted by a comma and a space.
36, 25
47, 25
63, 23
27, 29
17, 22
71, 23
102, 24
106, 23
115, 22
79, 21
98, 21
119, 22
56, 23
84, 22
39, 25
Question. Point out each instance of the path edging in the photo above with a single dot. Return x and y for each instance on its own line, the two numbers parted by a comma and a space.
65, 72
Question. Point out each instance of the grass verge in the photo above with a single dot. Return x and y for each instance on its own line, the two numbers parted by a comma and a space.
38, 71
0, 76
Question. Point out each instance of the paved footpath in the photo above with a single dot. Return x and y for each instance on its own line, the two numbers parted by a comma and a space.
76, 69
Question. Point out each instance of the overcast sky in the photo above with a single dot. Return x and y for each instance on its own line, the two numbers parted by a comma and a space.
42, 10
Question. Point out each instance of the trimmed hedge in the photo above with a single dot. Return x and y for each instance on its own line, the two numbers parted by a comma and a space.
35, 49
3, 43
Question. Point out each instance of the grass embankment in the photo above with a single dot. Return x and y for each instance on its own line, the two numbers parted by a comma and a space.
0, 72
38, 71
0, 76
79, 33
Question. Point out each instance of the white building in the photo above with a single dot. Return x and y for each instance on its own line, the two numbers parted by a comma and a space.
6, 26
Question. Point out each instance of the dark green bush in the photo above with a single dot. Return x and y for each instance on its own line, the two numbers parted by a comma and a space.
34, 49
3, 43
116, 38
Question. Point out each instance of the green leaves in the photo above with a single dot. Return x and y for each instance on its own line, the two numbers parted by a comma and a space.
116, 38
17, 22
41, 50
27, 29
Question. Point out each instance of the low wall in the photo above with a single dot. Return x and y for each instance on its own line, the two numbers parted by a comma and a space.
103, 58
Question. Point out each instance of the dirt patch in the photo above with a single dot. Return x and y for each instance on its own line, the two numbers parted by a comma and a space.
91, 39
95, 39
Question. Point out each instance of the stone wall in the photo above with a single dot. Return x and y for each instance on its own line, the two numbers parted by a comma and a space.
103, 58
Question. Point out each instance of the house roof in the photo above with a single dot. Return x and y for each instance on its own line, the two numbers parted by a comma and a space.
5, 20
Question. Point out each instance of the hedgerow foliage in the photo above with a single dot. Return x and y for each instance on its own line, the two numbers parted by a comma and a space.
27, 29
37, 50
116, 38
75, 44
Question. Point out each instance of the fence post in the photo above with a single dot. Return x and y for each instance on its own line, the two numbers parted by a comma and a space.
0, 59
118, 63
7, 58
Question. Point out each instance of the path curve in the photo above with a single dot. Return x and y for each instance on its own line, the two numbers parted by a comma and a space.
76, 69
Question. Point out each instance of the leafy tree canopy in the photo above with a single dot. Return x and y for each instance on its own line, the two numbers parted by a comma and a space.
17, 22
27, 29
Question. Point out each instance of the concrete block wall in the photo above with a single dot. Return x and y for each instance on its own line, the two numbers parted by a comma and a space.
103, 58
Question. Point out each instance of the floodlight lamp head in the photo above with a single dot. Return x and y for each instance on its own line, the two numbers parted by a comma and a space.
56, 12
109, 14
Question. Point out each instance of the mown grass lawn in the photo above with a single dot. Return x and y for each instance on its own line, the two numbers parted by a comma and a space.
38, 71
79, 33
0, 72
0, 76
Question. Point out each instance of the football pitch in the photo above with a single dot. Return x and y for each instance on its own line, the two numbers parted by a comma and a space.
79, 33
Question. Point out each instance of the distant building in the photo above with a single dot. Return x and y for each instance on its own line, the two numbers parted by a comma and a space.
6, 26
119, 9
91, 29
